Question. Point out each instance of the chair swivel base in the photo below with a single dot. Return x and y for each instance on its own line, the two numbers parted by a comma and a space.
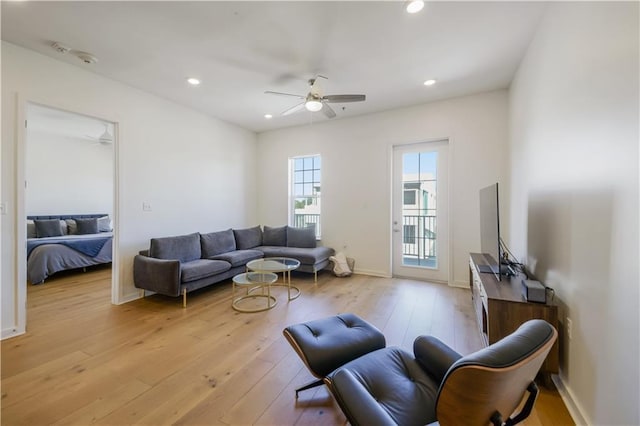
310, 385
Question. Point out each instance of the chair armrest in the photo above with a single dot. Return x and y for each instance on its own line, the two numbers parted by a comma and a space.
159, 275
434, 356
356, 402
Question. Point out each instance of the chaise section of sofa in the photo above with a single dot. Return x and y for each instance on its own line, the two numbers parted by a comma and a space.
296, 243
174, 266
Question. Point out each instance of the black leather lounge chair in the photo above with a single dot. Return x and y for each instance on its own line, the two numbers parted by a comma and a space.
436, 384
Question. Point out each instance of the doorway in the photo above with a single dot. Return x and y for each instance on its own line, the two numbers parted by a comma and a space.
420, 211
69, 170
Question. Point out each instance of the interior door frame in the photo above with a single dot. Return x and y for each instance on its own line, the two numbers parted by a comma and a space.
23, 101
450, 144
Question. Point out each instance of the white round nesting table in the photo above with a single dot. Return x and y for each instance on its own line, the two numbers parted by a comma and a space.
253, 281
277, 265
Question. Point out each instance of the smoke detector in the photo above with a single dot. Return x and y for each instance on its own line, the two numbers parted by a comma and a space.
87, 58
60, 48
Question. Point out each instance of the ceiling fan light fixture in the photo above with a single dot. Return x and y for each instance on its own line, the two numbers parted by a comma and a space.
414, 6
313, 105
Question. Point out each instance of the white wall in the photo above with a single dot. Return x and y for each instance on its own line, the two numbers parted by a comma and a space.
67, 175
356, 186
197, 172
574, 205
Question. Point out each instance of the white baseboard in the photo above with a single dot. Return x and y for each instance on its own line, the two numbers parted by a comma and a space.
576, 412
10, 332
371, 273
461, 284
129, 298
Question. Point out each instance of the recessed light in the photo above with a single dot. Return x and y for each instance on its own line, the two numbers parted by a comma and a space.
429, 82
415, 6
193, 81
268, 116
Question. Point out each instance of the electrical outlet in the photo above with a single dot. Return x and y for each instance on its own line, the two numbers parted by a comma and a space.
146, 206
3, 208
569, 328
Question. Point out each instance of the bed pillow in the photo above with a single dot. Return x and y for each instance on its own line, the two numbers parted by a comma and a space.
274, 236
63, 227
87, 226
301, 237
104, 224
72, 226
48, 228
31, 229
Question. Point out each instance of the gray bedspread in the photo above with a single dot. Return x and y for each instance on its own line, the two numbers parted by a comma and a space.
47, 259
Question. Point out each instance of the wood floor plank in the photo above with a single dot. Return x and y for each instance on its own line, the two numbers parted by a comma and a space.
151, 362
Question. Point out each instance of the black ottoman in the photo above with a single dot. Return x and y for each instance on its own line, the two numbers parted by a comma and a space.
328, 343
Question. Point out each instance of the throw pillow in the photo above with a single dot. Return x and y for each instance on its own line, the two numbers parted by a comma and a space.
184, 248
248, 238
104, 224
72, 226
216, 243
274, 236
63, 227
301, 237
87, 226
48, 228
31, 229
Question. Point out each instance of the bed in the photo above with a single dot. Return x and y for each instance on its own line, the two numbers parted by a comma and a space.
79, 243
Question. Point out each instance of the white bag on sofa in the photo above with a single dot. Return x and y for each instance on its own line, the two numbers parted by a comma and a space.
340, 265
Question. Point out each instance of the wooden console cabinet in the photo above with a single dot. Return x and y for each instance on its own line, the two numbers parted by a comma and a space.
500, 309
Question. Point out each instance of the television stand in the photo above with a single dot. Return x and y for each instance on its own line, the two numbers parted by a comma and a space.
500, 309
505, 270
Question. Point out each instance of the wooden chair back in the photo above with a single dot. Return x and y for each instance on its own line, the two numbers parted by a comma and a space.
471, 394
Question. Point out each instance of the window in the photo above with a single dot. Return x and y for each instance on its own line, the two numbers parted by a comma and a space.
305, 178
409, 198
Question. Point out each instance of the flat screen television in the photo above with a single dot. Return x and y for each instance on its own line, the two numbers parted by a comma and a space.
490, 230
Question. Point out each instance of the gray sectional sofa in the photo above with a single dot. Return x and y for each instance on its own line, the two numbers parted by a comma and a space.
174, 266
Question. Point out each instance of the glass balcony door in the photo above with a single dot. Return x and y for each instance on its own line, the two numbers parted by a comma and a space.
420, 216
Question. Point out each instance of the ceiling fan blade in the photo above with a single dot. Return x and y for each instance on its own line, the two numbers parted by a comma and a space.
293, 109
269, 92
328, 111
344, 98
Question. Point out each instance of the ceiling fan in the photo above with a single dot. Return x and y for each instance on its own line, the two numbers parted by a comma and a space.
104, 138
315, 101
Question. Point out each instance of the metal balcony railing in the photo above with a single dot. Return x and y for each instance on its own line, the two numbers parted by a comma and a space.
419, 237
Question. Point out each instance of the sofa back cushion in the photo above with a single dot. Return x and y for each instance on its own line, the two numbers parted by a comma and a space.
219, 242
301, 237
274, 236
248, 238
184, 248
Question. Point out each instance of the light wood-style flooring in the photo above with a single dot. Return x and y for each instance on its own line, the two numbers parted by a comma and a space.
151, 362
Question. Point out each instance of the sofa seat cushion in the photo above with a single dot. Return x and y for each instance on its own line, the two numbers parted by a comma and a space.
239, 257
389, 380
202, 268
306, 256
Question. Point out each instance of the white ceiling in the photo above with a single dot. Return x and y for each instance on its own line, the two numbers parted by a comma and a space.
240, 49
